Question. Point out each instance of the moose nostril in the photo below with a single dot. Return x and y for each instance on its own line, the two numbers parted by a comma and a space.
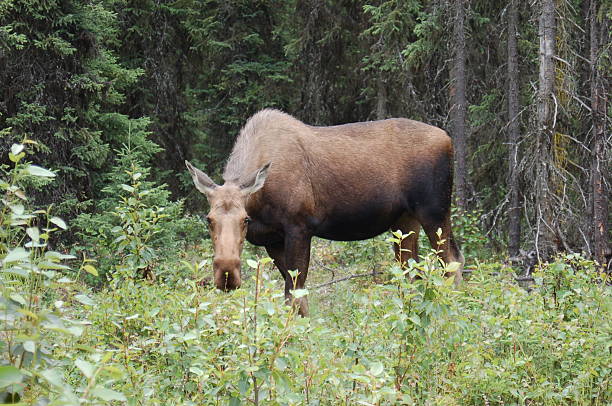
227, 274
227, 281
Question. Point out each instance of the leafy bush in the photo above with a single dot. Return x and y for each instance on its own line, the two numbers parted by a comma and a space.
136, 224
36, 286
467, 230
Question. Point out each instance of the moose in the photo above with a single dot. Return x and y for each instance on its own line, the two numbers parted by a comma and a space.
286, 181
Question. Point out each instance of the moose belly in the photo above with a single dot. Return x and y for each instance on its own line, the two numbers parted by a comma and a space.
357, 222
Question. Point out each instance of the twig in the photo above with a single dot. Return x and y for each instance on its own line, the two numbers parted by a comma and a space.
346, 278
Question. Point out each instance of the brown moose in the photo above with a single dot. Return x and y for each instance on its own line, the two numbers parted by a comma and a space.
286, 182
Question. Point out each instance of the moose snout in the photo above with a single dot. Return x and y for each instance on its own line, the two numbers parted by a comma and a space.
227, 274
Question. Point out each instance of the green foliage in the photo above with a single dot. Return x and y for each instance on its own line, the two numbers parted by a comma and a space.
467, 229
36, 286
65, 88
414, 339
135, 224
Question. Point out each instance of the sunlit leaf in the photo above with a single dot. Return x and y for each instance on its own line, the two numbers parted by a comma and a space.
58, 222
58, 255
90, 269
9, 375
415, 319
29, 346
33, 233
38, 171
52, 265
18, 298
265, 261
376, 368
196, 371
17, 254
298, 293
86, 300
18, 209
452, 267
108, 394
86, 368
269, 308
54, 376
16, 148
16, 157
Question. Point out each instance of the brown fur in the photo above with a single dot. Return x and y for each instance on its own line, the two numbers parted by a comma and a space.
345, 182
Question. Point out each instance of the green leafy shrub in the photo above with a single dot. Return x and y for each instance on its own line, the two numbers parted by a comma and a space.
36, 286
136, 224
467, 230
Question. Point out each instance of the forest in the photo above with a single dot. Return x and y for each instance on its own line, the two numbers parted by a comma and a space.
106, 256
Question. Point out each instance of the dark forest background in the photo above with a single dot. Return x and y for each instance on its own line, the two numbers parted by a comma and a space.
521, 86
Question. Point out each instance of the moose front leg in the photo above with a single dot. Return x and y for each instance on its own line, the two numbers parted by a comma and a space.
297, 257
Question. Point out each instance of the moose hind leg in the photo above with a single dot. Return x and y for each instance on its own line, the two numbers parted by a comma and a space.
444, 243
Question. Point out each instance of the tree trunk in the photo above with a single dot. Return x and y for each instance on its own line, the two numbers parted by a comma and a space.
514, 214
381, 99
311, 56
545, 224
598, 163
459, 105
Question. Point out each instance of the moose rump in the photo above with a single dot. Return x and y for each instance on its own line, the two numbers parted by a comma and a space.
286, 182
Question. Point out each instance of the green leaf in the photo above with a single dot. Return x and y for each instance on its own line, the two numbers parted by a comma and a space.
33, 233
90, 269
18, 298
415, 319
18, 209
9, 375
16, 158
269, 308
298, 293
58, 255
280, 363
16, 149
52, 265
265, 261
196, 371
86, 368
18, 254
58, 222
376, 368
86, 300
38, 171
252, 263
29, 346
452, 267
108, 394
54, 376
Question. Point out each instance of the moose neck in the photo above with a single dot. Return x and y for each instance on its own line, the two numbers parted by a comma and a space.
257, 142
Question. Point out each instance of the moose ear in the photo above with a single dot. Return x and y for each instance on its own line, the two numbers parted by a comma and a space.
255, 181
202, 182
